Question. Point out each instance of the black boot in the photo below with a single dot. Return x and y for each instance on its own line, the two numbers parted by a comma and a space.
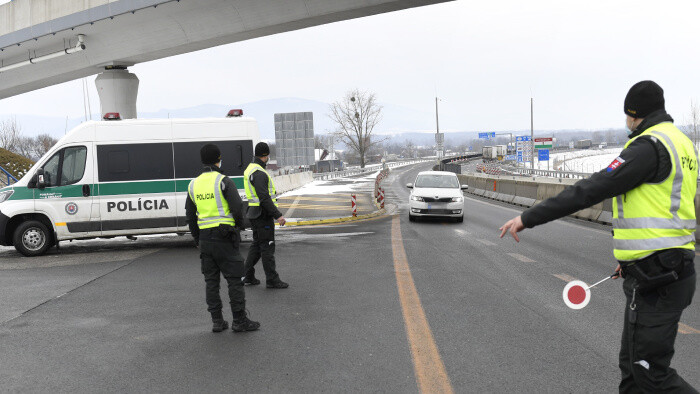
219, 324
251, 280
277, 284
241, 322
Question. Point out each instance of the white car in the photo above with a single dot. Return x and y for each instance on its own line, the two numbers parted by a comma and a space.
436, 193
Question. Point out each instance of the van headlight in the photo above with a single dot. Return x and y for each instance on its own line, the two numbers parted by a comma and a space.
5, 195
417, 198
457, 199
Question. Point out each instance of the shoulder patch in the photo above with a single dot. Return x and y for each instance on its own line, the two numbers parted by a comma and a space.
615, 164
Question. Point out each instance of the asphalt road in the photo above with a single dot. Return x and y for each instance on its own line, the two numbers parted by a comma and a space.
382, 305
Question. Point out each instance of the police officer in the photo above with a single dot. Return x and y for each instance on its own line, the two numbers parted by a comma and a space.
262, 212
214, 215
653, 184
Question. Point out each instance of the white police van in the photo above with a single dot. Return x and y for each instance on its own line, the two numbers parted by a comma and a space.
119, 178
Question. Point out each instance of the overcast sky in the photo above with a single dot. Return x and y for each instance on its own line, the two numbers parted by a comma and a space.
484, 59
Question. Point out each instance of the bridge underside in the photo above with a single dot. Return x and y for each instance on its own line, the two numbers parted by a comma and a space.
127, 32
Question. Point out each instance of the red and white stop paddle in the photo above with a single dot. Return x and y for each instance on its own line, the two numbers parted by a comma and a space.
577, 294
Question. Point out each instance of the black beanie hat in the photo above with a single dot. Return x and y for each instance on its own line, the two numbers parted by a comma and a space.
210, 154
644, 98
261, 149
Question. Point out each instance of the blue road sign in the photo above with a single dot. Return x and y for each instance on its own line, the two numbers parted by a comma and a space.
543, 155
470, 148
511, 157
487, 135
523, 138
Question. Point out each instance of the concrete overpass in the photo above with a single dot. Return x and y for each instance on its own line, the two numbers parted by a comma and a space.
39, 39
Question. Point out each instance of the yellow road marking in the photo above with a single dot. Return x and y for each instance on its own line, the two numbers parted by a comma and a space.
323, 207
346, 199
686, 329
430, 371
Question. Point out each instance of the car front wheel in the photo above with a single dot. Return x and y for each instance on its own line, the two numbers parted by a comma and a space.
32, 238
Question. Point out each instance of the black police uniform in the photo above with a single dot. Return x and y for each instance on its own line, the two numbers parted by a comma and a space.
219, 252
262, 220
650, 328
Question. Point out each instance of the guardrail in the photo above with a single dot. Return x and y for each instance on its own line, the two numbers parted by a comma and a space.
549, 173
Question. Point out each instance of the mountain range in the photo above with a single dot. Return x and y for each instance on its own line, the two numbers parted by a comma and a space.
398, 124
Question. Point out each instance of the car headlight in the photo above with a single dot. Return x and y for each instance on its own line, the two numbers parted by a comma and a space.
457, 199
5, 195
417, 198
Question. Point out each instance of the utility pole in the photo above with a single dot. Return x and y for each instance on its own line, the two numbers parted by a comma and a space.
532, 133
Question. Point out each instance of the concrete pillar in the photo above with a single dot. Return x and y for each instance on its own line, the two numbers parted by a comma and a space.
118, 89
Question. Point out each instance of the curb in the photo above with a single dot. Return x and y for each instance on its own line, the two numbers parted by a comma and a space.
378, 213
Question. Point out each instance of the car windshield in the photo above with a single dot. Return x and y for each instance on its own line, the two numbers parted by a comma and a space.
437, 181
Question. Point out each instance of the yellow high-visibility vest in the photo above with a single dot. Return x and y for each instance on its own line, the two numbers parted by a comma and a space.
658, 216
212, 207
250, 192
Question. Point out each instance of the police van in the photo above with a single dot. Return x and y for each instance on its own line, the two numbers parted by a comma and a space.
119, 178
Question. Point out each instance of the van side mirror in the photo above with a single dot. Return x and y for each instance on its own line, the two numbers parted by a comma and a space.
40, 182
465, 187
409, 185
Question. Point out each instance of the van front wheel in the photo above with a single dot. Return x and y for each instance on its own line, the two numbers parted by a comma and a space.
31, 238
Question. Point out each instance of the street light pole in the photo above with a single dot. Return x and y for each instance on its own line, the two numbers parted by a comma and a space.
532, 133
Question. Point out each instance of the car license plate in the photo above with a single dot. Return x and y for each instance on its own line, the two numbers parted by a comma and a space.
430, 206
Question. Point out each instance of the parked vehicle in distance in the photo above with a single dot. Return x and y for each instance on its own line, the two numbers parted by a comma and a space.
436, 194
583, 144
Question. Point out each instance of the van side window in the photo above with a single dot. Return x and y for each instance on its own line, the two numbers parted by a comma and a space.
236, 155
51, 170
135, 162
73, 167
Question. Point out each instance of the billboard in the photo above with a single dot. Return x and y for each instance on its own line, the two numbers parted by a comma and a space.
294, 139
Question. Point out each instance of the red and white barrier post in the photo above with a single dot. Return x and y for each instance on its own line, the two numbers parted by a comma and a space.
381, 197
353, 200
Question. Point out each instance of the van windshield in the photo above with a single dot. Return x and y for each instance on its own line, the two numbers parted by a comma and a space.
437, 181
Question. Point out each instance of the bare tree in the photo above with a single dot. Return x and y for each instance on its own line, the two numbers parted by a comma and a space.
42, 144
356, 115
25, 147
9, 134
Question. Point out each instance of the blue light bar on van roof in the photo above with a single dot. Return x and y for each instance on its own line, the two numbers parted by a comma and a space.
234, 113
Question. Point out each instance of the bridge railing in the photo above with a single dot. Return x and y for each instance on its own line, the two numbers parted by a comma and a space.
6, 175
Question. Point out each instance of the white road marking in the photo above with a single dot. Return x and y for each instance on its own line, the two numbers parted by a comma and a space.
462, 232
564, 277
485, 242
291, 209
522, 258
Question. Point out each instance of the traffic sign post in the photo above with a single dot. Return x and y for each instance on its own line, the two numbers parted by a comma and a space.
523, 148
544, 143
543, 155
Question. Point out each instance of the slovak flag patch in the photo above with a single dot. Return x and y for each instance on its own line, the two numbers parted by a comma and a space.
615, 164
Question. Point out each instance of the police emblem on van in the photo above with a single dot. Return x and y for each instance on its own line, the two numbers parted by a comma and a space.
71, 208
